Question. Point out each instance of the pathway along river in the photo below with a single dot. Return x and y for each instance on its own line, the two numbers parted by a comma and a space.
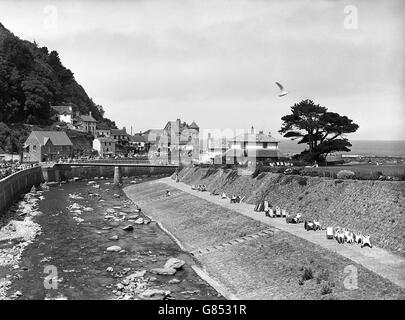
75, 242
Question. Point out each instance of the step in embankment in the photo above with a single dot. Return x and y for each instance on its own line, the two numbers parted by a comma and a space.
372, 207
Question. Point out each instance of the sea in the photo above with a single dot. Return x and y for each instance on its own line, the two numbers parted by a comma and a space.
378, 148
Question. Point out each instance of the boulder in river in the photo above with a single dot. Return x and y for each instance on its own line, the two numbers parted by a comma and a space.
132, 217
128, 228
164, 271
174, 281
114, 249
110, 210
114, 237
88, 209
155, 294
174, 263
139, 221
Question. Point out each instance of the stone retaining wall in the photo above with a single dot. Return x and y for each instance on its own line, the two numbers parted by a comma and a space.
16, 184
57, 173
372, 207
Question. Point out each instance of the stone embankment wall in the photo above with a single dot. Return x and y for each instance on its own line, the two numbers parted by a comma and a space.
58, 173
16, 184
372, 207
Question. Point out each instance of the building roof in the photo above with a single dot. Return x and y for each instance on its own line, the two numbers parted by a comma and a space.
119, 132
258, 137
58, 138
87, 118
138, 138
153, 134
62, 109
102, 126
193, 125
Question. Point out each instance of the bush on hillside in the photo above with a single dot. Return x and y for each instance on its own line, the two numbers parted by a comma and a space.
346, 174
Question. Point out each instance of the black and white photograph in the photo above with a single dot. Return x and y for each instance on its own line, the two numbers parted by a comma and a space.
196, 155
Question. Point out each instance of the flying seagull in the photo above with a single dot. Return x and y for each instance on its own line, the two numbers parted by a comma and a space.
283, 91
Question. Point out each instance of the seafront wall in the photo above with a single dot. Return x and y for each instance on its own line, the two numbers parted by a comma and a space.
372, 207
16, 184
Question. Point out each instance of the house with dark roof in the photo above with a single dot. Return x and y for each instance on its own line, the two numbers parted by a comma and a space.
138, 142
86, 123
180, 141
48, 146
254, 147
105, 146
63, 113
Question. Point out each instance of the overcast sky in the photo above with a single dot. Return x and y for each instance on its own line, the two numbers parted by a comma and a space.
216, 61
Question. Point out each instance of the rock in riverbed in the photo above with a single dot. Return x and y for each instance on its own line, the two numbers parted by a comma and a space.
128, 228
114, 249
139, 221
174, 281
164, 271
174, 263
115, 237
155, 294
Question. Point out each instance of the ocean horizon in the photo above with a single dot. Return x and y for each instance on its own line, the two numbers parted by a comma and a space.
389, 148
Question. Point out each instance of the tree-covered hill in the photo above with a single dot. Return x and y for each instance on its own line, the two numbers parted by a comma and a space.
32, 78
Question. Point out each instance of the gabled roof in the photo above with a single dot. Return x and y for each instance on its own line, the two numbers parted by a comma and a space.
119, 132
193, 125
58, 138
62, 109
87, 118
138, 138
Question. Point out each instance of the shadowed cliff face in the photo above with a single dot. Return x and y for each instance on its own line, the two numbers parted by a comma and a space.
373, 207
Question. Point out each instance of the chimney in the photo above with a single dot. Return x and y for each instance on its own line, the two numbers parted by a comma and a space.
90, 113
125, 130
77, 113
252, 130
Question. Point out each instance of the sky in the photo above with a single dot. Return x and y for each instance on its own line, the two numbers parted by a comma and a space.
216, 61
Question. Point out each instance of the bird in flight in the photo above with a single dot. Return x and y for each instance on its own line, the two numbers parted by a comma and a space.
283, 91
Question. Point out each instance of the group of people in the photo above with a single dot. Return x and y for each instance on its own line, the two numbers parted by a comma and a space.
233, 199
8, 168
341, 235
200, 187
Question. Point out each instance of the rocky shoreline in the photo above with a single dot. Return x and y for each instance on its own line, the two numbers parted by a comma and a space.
16, 235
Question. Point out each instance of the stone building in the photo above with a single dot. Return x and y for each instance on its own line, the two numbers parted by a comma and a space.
48, 146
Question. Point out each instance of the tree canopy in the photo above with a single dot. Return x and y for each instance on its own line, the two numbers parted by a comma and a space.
32, 79
323, 131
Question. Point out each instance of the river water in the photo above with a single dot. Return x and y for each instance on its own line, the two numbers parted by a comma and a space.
73, 246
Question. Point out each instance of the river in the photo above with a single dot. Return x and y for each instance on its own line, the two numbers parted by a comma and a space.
71, 248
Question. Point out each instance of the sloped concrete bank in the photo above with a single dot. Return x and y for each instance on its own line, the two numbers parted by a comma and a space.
372, 207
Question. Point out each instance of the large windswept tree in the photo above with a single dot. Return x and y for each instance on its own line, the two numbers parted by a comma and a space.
323, 131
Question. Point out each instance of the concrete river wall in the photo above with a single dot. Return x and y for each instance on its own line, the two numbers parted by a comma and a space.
21, 182
64, 172
16, 184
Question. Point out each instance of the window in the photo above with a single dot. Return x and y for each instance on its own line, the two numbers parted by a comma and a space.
34, 147
265, 145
